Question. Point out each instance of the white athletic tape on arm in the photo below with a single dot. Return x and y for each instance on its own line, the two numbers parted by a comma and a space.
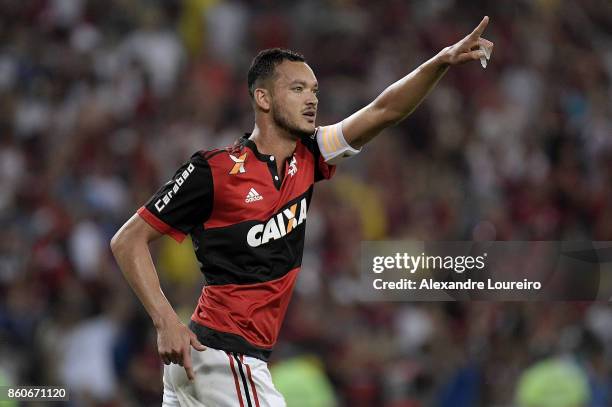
332, 144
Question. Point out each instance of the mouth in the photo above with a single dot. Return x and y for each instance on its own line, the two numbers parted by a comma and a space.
310, 115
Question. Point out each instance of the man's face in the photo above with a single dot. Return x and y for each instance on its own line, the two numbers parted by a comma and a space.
294, 98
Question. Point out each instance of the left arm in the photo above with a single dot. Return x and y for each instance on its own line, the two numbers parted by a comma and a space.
400, 99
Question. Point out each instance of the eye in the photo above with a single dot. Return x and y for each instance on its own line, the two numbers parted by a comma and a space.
316, 91
298, 88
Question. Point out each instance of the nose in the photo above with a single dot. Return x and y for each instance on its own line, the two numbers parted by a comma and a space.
312, 101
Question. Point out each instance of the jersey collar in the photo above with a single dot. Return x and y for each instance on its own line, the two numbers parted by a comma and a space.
277, 179
246, 141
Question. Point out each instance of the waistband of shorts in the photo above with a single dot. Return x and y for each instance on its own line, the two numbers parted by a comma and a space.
228, 342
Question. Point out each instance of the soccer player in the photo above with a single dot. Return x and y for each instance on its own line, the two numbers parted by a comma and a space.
245, 208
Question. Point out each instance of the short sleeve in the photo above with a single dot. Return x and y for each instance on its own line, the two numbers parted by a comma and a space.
333, 145
183, 202
322, 170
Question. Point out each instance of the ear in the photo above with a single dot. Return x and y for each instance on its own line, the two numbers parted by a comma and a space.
263, 99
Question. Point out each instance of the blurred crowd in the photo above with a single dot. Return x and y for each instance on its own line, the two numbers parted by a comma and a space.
100, 101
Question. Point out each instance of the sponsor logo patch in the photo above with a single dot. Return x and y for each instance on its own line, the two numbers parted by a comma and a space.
253, 196
161, 203
238, 167
279, 225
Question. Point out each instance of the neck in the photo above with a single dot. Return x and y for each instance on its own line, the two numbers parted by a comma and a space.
272, 140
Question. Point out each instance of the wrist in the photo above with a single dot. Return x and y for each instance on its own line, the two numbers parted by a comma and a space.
437, 65
442, 59
165, 319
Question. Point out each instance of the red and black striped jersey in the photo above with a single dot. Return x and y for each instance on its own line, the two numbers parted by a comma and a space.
247, 225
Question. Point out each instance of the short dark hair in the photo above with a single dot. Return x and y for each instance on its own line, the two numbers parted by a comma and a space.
265, 62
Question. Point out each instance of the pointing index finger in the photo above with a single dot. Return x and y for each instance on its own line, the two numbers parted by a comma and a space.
481, 27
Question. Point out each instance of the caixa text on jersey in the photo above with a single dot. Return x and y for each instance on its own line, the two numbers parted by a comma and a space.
278, 225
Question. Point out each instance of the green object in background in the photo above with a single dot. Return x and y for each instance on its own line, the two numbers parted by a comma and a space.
303, 382
553, 383
4, 382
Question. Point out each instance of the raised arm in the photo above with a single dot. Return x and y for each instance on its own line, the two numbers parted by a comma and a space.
130, 246
400, 99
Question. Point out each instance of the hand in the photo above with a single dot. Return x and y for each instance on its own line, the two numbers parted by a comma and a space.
174, 342
470, 48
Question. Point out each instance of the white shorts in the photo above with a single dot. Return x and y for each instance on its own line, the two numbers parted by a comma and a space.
222, 379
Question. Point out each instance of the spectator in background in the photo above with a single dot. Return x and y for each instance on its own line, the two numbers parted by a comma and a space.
553, 383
